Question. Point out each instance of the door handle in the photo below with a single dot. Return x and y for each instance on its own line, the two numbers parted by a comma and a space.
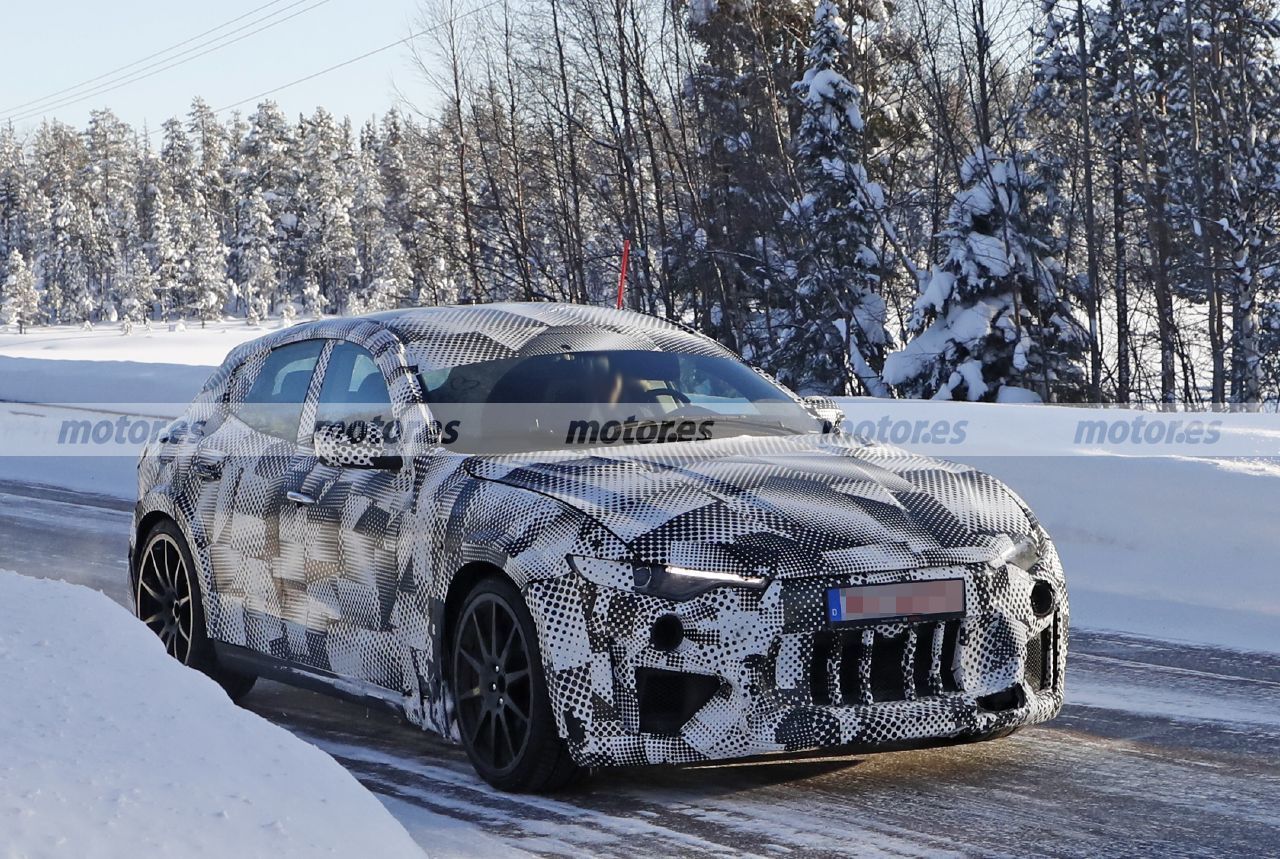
300, 497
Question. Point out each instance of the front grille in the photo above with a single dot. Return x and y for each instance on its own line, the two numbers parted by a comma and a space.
863, 666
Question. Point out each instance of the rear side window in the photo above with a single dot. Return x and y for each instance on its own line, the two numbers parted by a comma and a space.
273, 404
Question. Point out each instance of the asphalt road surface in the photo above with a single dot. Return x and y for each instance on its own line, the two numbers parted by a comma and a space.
1163, 749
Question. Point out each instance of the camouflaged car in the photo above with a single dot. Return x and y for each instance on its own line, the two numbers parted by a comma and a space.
572, 537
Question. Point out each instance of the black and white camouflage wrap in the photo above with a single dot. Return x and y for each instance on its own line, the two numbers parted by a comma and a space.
355, 586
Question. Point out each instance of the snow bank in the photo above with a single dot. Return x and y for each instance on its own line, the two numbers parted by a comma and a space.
111, 748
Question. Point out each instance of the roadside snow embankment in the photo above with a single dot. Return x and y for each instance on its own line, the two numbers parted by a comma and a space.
111, 748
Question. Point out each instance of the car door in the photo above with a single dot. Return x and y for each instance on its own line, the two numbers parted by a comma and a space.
341, 525
246, 460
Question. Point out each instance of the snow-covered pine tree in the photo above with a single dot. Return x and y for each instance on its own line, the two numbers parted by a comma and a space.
19, 301
109, 188
206, 281
166, 253
328, 238
367, 217
209, 139
835, 337
397, 187
15, 197
64, 265
993, 322
312, 300
179, 171
268, 164
259, 280
1268, 336
726, 244
137, 287
40, 224
391, 275
1226, 175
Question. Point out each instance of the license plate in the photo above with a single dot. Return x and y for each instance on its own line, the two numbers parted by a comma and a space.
936, 599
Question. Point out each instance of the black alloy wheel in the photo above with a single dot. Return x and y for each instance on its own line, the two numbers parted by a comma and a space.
167, 599
503, 711
164, 595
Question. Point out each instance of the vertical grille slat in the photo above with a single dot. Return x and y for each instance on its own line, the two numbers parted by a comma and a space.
835, 659
935, 659
909, 666
859, 667
864, 666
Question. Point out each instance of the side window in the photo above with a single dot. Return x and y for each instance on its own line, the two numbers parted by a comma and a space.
353, 389
273, 404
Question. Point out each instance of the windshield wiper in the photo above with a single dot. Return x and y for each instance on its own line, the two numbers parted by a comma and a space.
778, 426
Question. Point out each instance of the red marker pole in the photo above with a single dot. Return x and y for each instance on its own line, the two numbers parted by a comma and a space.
622, 273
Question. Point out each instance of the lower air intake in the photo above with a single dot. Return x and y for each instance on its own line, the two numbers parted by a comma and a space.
1038, 670
668, 699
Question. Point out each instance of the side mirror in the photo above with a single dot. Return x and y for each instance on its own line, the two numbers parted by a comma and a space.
825, 410
358, 444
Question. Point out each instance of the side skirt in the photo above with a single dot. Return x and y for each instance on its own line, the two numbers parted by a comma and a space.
249, 661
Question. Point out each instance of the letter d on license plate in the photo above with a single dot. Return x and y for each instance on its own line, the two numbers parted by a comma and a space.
937, 599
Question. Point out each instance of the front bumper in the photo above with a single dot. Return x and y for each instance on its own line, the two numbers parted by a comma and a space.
636, 679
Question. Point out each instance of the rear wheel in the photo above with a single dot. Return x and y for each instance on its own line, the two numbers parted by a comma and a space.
168, 601
504, 713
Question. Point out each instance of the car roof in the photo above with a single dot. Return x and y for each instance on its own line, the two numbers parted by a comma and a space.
454, 335
449, 336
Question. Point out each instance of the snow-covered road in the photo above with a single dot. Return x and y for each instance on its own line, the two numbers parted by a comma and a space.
1162, 749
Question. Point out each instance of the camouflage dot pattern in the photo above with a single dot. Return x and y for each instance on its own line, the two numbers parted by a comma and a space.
354, 586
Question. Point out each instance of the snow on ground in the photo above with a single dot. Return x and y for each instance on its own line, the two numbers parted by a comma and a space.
111, 748
1174, 540
193, 346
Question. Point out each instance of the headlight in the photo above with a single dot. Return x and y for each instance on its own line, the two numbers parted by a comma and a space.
1026, 552
660, 580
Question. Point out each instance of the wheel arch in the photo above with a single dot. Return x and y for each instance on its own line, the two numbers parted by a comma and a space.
156, 509
144, 527
463, 581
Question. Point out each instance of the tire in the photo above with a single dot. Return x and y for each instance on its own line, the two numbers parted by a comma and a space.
504, 711
167, 598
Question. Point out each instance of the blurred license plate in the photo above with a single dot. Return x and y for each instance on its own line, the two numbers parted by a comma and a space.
937, 599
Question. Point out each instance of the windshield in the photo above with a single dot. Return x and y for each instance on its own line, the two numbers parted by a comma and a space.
607, 397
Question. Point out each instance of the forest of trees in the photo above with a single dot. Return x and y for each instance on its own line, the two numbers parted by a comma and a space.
969, 199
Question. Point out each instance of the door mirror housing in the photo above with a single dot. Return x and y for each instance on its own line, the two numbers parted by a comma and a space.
826, 410
355, 444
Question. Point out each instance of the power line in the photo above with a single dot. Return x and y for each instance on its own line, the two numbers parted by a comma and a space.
357, 59
172, 62
173, 47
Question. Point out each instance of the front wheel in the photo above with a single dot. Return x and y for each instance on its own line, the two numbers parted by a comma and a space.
167, 599
504, 713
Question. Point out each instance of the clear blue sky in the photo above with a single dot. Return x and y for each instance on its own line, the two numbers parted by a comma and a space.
54, 45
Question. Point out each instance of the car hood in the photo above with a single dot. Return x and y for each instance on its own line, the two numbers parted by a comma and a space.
796, 505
